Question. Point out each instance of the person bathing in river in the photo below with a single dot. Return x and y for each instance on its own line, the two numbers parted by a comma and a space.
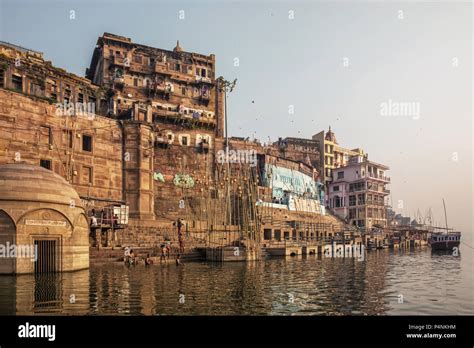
168, 250
163, 252
148, 260
178, 260
131, 257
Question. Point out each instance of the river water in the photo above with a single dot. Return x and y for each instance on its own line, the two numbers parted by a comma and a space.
385, 283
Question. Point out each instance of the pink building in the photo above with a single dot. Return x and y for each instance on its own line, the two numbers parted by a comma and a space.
358, 193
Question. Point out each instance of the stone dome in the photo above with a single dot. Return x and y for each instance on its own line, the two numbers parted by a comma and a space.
26, 182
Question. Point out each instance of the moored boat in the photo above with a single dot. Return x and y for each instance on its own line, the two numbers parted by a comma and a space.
444, 240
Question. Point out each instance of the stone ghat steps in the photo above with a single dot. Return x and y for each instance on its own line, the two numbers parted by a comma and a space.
117, 254
338, 223
154, 237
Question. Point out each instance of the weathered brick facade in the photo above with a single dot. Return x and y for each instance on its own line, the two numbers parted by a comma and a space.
157, 121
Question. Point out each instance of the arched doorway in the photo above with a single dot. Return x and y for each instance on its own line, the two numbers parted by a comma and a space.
7, 238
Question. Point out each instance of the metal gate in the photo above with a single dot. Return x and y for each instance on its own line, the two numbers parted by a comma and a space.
47, 256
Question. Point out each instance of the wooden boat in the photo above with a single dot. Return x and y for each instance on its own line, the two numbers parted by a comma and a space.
445, 240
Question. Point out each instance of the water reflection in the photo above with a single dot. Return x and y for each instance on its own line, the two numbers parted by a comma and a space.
48, 293
430, 284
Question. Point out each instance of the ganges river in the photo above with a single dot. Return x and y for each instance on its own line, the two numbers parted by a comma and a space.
387, 282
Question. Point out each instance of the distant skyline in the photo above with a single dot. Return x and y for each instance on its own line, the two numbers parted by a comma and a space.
344, 64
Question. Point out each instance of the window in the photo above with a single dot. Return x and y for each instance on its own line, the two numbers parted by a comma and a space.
352, 200
267, 234
17, 82
87, 175
337, 202
36, 89
69, 139
137, 59
2, 78
361, 199
340, 175
203, 72
135, 82
87, 143
183, 90
45, 135
177, 67
335, 188
45, 164
141, 116
359, 186
184, 140
80, 98
277, 234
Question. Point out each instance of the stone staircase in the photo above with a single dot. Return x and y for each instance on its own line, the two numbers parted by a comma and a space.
107, 255
338, 223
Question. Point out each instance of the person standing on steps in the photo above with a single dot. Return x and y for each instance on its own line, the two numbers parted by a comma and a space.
168, 250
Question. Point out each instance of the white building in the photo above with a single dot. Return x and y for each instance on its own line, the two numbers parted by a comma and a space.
358, 192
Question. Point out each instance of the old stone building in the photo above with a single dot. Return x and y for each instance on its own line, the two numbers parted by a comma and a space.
154, 125
300, 149
139, 134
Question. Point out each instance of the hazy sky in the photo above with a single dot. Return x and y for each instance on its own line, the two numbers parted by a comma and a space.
334, 62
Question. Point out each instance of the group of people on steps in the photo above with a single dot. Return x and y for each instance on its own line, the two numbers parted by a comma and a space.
131, 258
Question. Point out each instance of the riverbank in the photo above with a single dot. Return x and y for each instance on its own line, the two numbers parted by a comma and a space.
304, 285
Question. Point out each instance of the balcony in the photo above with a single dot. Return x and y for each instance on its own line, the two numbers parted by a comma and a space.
119, 80
380, 192
375, 203
205, 96
378, 177
161, 68
119, 60
141, 68
200, 79
175, 115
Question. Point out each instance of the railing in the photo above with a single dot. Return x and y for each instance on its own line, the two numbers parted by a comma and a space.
119, 80
306, 242
176, 114
203, 79
376, 176
118, 60
142, 68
